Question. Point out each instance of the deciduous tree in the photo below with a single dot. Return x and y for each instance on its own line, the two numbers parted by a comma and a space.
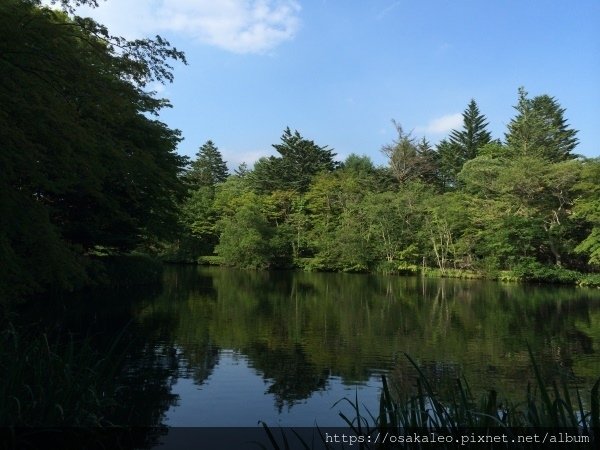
84, 159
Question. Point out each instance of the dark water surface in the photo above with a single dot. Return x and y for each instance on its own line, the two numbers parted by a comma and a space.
222, 347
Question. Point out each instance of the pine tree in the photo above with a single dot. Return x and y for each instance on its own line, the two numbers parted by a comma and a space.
242, 170
540, 129
463, 145
209, 168
473, 135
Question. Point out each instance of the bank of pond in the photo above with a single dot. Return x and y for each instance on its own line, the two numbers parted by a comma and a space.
527, 273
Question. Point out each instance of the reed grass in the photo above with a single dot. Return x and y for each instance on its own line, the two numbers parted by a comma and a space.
54, 382
543, 407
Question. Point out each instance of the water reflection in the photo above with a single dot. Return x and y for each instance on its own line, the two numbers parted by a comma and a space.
227, 347
300, 330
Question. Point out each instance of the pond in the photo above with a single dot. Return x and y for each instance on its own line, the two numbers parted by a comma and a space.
224, 347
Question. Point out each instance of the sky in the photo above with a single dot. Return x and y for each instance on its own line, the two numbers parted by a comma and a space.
339, 71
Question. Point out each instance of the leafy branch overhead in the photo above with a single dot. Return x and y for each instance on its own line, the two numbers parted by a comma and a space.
84, 163
141, 60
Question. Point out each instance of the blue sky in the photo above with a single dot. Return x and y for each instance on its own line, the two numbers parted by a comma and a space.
340, 70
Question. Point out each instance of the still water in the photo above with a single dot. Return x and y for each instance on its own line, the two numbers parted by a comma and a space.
223, 347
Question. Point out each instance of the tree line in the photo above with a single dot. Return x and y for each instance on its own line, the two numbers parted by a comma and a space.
525, 206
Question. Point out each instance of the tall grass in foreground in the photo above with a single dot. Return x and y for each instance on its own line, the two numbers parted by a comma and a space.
543, 408
47, 382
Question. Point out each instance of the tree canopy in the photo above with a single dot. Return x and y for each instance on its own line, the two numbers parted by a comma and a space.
85, 163
208, 168
301, 159
540, 129
462, 145
469, 203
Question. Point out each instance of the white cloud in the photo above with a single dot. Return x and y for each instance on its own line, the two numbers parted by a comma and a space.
239, 26
235, 158
442, 124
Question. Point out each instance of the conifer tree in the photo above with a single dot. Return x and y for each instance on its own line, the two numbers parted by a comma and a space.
473, 135
540, 129
463, 145
301, 159
209, 168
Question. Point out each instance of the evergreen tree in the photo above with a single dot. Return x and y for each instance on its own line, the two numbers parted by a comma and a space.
429, 166
463, 145
209, 168
301, 159
473, 135
450, 163
540, 129
242, 170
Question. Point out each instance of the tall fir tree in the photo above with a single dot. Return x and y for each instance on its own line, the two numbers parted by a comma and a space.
463, 145
208, 169
473, 135
540, 129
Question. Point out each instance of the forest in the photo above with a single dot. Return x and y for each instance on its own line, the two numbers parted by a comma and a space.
91, 178
524, 207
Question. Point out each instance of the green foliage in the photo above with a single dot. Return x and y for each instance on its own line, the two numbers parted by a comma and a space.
211, 260
410, 160
531, 270
393, 221
462, 145
522, 207
587, 207
451, 163
83, 159
517, 218
590, 280
48, 383
510, 218
245, 239
199, 217
473, 135
301, 159
208, 168
540, 129
358, 164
